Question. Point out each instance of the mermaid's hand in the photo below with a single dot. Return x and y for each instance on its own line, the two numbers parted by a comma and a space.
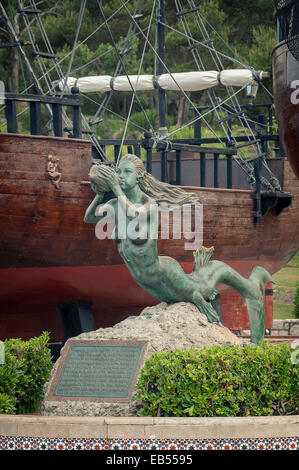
213, 294
108, 177
96, 189
206, 308
103, 178
209, 312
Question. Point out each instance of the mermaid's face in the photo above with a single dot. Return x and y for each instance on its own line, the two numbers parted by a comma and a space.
127, 175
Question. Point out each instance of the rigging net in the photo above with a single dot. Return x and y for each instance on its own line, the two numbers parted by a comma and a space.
287, 13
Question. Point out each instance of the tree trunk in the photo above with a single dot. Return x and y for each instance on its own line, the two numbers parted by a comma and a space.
151, 103
13, 82
183, 107
106, 121
125, 106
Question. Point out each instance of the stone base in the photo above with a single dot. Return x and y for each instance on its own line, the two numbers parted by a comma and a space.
165, 328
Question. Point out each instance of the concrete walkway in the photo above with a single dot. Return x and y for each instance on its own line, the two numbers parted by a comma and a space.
149, 428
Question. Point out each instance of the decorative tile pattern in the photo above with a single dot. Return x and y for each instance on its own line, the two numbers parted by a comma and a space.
32, 443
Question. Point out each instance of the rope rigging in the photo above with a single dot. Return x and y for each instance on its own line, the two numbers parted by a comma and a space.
217, 58
56, 66
162, 138
80, 19
135, 30
211, 94
126, 44
123, 65
134, 94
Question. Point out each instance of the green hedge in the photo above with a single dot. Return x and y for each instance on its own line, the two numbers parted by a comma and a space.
22, 376
220, 381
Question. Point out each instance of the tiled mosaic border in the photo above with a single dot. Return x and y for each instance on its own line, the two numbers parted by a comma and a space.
32, 443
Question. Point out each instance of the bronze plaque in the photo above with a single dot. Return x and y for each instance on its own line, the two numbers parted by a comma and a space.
104, 371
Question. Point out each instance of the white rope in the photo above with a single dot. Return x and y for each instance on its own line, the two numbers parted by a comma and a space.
117, 52
125, 45
138, 74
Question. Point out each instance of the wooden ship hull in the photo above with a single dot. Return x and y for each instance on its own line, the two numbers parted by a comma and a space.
50, 256
286, 99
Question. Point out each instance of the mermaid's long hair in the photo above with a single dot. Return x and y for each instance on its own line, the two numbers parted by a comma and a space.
160, 192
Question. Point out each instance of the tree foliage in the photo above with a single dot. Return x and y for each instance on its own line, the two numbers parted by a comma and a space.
237, 28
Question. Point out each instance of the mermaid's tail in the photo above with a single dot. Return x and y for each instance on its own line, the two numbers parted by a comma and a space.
256, 303
208, 273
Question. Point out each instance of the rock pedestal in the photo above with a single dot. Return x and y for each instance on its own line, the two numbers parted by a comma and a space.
165, 328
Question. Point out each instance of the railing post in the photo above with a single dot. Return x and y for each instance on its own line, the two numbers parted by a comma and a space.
57, 119
263, 132
257, 194
164, 176
116, 152
76, 115
202, 169
216, 173
35, 118
197, 125
137, 150
147, 144
229, 172
178, 167
149, 161
11, 116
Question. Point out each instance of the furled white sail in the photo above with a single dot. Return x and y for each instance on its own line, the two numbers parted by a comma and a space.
187, 81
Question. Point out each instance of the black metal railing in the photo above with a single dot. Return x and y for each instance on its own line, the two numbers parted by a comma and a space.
212, 160
162, 151
54, 106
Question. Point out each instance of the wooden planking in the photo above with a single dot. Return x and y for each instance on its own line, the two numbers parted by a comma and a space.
40, 212
43, 227
71, 165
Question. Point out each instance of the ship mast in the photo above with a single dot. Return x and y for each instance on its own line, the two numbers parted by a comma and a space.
161, 62
23, 55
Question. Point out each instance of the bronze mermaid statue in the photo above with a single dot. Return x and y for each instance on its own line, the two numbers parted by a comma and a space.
137, 196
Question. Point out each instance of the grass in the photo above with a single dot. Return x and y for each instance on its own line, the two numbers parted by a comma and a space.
294, 261
285, 289
282, 311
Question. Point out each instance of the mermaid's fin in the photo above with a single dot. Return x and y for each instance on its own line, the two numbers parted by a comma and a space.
256, 304
202, 257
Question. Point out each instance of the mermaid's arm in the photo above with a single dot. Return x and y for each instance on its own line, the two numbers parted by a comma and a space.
90, 214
